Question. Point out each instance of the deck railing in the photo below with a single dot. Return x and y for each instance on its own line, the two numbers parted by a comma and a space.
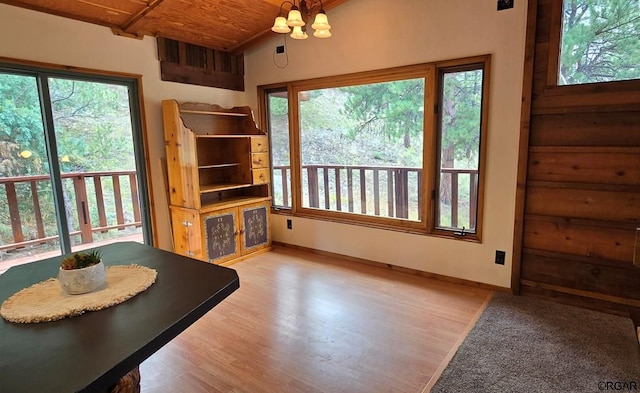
387, 191
81, 224
391, 192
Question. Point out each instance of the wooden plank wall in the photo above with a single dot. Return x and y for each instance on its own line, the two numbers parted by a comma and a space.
582, 198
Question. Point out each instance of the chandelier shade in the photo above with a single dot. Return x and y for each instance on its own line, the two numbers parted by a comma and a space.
295, 17
298, 34
322, 34
301, 14
321, 22
280, 25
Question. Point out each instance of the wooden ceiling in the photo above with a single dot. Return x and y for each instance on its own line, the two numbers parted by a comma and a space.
226, 25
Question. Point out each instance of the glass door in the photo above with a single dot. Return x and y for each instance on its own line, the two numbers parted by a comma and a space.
28, 225
96, 157
71, 167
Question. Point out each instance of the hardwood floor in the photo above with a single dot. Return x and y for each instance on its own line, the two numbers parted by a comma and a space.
307, 323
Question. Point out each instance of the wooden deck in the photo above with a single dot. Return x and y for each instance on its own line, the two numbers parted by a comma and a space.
4, 265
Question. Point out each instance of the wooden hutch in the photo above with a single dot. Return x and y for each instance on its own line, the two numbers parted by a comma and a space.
218, 170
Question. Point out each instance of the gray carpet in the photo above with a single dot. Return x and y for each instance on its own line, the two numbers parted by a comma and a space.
524, 344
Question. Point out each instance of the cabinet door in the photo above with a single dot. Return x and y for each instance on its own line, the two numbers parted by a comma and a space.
220, 231
255, 230
185, 224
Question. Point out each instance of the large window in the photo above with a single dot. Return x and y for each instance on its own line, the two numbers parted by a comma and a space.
600, 41
361, 148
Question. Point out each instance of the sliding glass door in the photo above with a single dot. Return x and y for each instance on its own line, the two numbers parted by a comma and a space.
71, 165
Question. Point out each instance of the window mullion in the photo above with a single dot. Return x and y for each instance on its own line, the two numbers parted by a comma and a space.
429, 166
294, 143
54, 165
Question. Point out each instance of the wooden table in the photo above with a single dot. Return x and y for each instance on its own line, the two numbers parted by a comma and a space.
91, 352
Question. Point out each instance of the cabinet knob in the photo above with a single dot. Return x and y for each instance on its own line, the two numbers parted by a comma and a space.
262, 176
187, 223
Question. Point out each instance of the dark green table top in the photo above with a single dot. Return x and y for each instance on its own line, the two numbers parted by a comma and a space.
92, 351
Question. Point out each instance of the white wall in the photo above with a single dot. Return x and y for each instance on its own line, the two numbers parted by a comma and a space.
409, 32
40, 37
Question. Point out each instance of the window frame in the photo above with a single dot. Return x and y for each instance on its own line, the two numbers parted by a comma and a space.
430, 72
484, 114
264, 110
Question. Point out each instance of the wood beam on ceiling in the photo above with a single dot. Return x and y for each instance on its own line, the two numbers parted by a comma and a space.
150, 7
123, 30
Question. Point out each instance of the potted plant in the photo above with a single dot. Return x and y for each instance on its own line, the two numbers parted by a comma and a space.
82, 272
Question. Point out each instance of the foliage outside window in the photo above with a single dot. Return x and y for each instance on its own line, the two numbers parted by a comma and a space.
365, 150
600, 41
361, 148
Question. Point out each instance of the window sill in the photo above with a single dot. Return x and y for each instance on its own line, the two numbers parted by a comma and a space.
439, 233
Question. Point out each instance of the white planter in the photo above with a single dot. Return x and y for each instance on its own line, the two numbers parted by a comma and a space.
78, 281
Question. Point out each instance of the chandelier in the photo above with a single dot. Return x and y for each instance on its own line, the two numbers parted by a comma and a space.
299, 17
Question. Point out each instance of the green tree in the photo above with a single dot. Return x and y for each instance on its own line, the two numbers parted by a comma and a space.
600, 41
393, 109
21, 127
92, 124
460, 122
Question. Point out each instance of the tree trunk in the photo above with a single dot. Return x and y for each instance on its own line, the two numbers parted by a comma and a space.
447, 161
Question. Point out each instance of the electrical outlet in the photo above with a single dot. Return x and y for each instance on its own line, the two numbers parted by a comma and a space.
505, 4
280, 49
289, 224
500, 257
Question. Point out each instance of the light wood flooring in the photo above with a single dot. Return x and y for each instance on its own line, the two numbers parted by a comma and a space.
301, 322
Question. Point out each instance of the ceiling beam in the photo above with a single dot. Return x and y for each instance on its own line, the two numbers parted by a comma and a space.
135, 18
